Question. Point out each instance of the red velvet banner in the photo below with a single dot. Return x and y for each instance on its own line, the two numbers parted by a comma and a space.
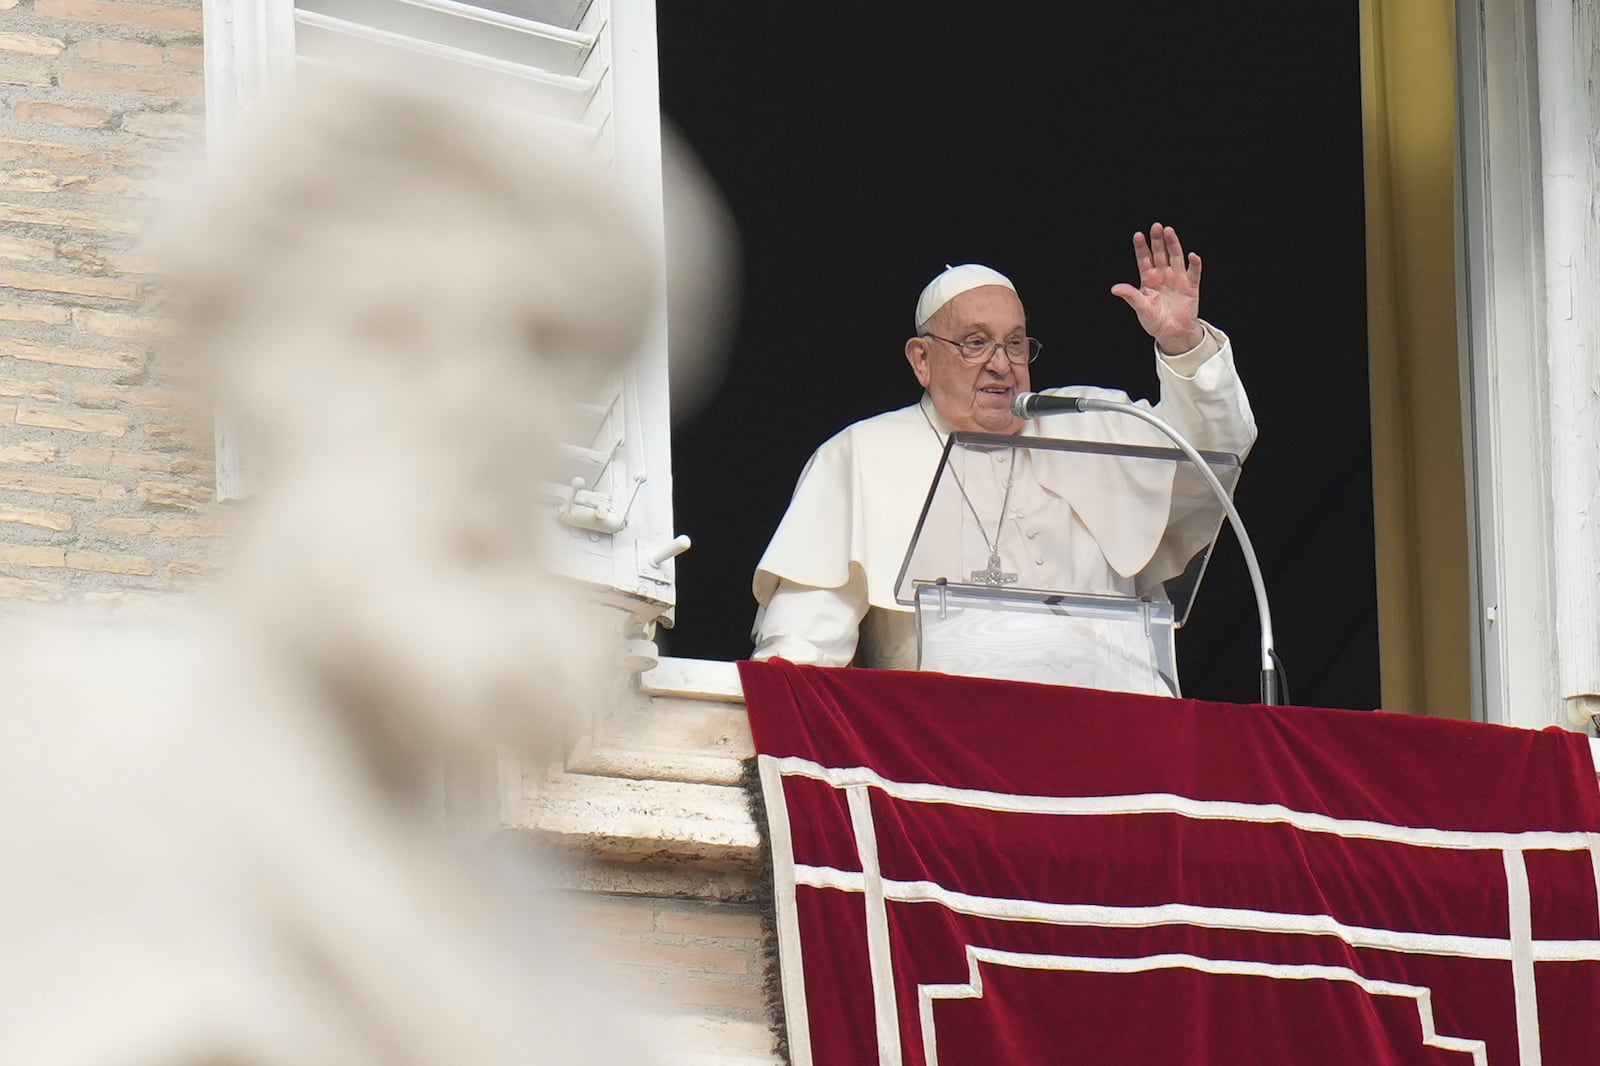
980, 872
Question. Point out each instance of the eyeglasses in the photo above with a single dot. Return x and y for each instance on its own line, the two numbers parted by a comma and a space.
978, 350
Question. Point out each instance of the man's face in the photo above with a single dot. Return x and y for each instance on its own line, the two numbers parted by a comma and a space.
973, 397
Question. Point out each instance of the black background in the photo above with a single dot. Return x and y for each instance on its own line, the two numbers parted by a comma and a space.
861, 149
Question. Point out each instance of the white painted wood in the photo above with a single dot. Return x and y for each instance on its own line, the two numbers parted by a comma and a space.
467, 27
1505, 379
636, 136
591, 72
232, 481
249, 49
1530, 257
559, 96
1569, 108
566, 13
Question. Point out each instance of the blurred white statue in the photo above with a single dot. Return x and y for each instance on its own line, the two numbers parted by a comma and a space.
214, 837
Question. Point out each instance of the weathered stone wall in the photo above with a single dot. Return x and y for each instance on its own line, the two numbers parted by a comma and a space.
697, 956
667, 884
105, 485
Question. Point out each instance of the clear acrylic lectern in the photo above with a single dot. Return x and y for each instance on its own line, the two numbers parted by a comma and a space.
1066, 562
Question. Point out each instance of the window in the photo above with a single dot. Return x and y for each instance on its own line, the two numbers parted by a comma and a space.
586, 67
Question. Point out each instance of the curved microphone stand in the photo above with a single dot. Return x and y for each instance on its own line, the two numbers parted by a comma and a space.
1033, 404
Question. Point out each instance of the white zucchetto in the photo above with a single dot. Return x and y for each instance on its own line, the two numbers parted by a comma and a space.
952, 283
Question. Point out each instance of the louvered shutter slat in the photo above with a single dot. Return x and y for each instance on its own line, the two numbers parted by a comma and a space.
468, 28
568, 14
329, 39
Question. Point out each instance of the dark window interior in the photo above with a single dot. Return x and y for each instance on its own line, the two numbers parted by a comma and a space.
860, 149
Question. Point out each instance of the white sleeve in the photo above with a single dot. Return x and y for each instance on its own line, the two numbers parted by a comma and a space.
810, 625
1201, 395
1184, 364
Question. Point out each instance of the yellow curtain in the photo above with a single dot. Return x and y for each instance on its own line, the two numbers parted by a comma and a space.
1418, 469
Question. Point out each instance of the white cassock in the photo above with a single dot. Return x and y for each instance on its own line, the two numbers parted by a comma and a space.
826, 584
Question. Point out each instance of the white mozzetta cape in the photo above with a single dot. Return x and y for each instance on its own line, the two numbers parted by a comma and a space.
856, 505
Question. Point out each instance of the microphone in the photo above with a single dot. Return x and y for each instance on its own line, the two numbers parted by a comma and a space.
1034, 404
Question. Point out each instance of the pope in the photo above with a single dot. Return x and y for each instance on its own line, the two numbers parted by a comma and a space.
825, 585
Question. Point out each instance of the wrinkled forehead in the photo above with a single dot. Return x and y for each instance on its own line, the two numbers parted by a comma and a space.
991, 309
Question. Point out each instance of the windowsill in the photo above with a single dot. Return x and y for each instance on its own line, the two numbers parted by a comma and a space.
710, 679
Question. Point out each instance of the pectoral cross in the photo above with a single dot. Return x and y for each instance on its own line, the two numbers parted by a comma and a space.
992, 574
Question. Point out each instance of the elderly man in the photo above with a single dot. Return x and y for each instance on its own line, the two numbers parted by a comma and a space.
825, 585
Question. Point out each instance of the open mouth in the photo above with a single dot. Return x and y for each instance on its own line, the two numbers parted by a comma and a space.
996, 390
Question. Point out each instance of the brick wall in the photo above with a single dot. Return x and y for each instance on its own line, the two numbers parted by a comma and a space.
105, 483
691, 974
677, 953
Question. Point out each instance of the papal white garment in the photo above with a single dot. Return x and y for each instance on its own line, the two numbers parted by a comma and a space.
826, 584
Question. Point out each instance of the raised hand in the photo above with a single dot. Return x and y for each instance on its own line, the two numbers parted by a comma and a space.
1167, 300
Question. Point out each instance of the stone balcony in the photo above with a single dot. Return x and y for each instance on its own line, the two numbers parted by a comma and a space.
655, 848
664, 859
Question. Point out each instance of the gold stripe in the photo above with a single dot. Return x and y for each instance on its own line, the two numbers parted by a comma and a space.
1418, 468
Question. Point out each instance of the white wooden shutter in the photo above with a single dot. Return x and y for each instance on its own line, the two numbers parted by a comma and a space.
587, 68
